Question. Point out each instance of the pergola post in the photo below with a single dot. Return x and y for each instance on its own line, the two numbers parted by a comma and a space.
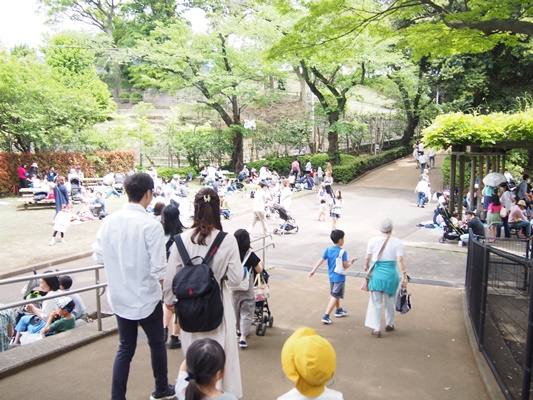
473, 170
480, 185
461, 184
453, 167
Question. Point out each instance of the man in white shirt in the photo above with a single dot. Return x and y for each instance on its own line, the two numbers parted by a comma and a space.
131, 245
261, 196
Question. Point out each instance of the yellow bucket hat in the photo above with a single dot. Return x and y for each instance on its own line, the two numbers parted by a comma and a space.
308, 360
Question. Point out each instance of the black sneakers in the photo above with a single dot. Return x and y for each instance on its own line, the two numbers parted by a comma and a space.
168, 394
174, 343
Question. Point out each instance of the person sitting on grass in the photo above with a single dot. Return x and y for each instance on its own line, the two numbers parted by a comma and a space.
60, 320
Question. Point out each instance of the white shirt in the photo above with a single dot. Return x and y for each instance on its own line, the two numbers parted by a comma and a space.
327, 394
260, 199
393, 249
131, 245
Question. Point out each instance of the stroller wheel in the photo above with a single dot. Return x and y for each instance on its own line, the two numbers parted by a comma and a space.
260, 330
296, 230
441, 239
265, 319
275, 231
271, 321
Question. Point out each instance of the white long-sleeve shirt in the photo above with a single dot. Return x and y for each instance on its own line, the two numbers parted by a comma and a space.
131, 245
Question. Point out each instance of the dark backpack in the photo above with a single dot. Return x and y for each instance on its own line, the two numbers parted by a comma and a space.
199, 305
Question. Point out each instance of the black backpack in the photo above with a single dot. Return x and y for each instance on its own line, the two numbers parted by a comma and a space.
199, 305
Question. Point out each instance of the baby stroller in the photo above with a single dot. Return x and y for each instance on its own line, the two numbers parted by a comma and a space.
451, 232
30, 291
288, 225
262, 316
75, 189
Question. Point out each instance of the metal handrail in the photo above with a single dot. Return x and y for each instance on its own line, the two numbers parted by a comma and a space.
98, 287
265, 246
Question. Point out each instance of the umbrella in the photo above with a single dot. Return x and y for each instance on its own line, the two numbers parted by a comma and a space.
493, 179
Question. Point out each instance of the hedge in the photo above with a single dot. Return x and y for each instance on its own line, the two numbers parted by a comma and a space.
182, 172
350, 167
97, 164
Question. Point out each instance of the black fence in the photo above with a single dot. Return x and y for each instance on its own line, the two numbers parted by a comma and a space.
500, 306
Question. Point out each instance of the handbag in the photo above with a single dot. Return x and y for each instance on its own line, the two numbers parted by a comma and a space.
503, 212
364, 286
245, 283
403, 301
261, 288
339, 264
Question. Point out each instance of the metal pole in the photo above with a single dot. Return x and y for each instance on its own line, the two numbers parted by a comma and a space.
98, 304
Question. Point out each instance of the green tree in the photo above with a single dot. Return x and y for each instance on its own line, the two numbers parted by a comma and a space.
226, 66
37, 111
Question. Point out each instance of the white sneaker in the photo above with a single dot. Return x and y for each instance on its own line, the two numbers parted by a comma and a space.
52, 241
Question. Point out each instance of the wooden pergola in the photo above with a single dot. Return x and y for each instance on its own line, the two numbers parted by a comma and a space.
483, 160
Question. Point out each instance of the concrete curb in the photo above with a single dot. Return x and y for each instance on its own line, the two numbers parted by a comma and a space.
44, 264
23, 357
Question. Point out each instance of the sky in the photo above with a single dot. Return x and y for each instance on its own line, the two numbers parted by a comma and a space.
21, 24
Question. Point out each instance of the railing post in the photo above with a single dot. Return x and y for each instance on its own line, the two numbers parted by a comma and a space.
98, 304
483, 302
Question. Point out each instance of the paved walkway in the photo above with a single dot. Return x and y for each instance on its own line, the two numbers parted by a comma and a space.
428, 356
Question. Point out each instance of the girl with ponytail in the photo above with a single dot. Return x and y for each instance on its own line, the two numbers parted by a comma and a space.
199, 373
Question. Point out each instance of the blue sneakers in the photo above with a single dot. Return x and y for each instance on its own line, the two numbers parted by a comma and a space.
340, 313
326, 320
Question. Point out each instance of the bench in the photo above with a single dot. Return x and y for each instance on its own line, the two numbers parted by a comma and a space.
29, 201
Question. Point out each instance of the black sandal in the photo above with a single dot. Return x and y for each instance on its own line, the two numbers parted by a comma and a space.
389, 328
376, 334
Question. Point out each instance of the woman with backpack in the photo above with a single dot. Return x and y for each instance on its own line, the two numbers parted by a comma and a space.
243, 296
225, 264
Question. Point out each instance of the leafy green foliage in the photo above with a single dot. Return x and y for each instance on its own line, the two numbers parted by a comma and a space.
39, 110
96, 164
483, 130
182, 172
349, 168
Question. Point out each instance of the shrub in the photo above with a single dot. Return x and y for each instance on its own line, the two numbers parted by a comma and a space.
124, 97
350, 167
97, 164
136, 97
182, 172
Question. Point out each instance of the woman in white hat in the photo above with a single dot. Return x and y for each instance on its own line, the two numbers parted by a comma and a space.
385, 255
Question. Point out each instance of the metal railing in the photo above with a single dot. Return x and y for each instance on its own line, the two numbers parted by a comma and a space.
265, 245
98, 287
500, 307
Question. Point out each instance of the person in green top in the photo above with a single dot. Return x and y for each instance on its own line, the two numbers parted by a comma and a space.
60, 320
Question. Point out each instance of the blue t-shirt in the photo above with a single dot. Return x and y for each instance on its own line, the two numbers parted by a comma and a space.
330, 255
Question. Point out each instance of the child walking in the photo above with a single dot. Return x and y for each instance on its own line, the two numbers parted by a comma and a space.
322, 210
336, 281
61, 224
199, 373
336, 209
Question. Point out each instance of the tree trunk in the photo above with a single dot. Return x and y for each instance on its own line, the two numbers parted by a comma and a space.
237, 157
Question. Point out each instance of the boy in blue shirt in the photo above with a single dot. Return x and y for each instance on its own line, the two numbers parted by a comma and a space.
336, 281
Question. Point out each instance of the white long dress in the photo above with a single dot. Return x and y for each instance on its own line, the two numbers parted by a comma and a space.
226, 261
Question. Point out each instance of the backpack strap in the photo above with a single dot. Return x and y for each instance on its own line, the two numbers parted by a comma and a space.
214, 247
181, 248
212, 250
